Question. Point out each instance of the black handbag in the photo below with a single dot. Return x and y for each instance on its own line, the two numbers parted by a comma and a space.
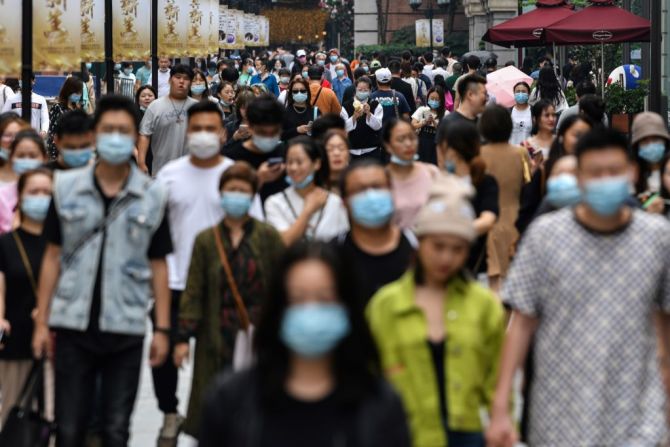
26, 427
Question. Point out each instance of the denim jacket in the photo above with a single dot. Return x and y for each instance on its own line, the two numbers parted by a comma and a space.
126, 272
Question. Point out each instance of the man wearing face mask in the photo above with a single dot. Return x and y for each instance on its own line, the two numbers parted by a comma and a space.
143, 74
164, 123
163, 77
193, 205
596, 274
75, 141
379, 250
341, 81
263, 150
107, 238
321, 61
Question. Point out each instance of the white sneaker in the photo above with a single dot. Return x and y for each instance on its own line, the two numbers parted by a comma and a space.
172, 423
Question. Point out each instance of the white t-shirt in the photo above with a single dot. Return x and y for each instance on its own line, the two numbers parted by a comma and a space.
194, 204
5, 94
163, 83
39, 117
522, 123
324, 225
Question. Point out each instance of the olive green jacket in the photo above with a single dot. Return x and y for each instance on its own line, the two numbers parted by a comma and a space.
201, 301
474, 326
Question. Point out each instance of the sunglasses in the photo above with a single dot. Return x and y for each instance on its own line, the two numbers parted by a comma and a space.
298, 91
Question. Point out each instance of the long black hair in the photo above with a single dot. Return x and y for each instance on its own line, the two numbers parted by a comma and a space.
548, 87
356, 365
315, 152
557, 149
536, 112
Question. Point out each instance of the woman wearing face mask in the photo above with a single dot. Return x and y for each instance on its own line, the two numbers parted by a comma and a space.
200, 88
363, 119
440, 333
336, 144
521, 116
299, 114
410, 179
208, 311
27, 152
226, 99
237, 128
10, 126
246, 72
305, 209
20, 259
284, 79
542, 133
277, 66
317, 381
562, 187
425, 120
571, 130
460, 144
649, 141
69, 98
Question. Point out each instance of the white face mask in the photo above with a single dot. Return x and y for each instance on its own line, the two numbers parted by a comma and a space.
203, 145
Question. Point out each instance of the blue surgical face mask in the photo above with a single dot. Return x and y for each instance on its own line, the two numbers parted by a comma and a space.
320, 63
521, 97
304, 183
434, 104
127, 71
89, 65
285, 80
21, 165
606, 196
299, 97
117, 67
333, 58
314, 329
76, 158
563, 190
339, 73
211, 71
235, 204
652, 152
372, 208
74, 98
4, 154
450, 166
250, 70
35, 206
305, 74
115, 148
362, 95
401, 161
366, 68
265, 144
198, 89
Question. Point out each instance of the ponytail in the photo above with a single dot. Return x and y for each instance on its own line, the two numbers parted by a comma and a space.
477, 170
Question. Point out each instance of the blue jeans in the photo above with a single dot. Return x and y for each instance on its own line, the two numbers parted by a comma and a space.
80, 359
465, 439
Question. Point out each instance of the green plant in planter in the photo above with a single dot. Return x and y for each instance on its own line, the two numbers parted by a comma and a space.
619, 101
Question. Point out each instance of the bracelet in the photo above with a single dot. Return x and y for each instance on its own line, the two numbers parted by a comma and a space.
163, 330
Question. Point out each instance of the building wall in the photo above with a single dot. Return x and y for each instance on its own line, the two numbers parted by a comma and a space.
483, 14
400, 15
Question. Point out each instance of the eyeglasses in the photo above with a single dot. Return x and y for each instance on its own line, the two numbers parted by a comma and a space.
298, 91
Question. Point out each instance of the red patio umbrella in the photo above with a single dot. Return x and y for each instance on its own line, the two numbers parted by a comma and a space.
526, 30
601, 22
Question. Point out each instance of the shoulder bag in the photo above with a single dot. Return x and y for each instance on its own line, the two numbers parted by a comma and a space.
243, 357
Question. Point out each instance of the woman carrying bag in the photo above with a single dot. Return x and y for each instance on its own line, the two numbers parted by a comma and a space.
20, 258
214, 308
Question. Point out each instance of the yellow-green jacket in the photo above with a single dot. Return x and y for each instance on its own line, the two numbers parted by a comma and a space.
473, 319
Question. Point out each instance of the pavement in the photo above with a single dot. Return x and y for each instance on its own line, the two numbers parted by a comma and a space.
147, 418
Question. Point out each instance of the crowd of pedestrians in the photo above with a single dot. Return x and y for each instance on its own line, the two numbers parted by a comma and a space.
362, 252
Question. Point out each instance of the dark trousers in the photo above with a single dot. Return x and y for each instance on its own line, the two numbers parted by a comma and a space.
79, 362
166, 376
375, 155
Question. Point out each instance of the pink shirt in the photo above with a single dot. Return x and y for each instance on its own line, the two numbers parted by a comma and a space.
412, 193
8, 200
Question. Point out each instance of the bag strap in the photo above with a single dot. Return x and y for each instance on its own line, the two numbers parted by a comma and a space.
31, 384
395, 105
295, 215
242, 313
317, 95
116, 212
25, 261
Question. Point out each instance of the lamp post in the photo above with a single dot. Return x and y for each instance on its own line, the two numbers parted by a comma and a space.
442, 4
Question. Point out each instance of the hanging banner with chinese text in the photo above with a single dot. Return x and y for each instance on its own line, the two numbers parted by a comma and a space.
423, 32
198, 28
131, 29
56, 35
173, 27
92, 13
10, 38
213, 26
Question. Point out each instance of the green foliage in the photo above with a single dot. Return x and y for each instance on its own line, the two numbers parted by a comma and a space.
571, 95
404, 36
618, 100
